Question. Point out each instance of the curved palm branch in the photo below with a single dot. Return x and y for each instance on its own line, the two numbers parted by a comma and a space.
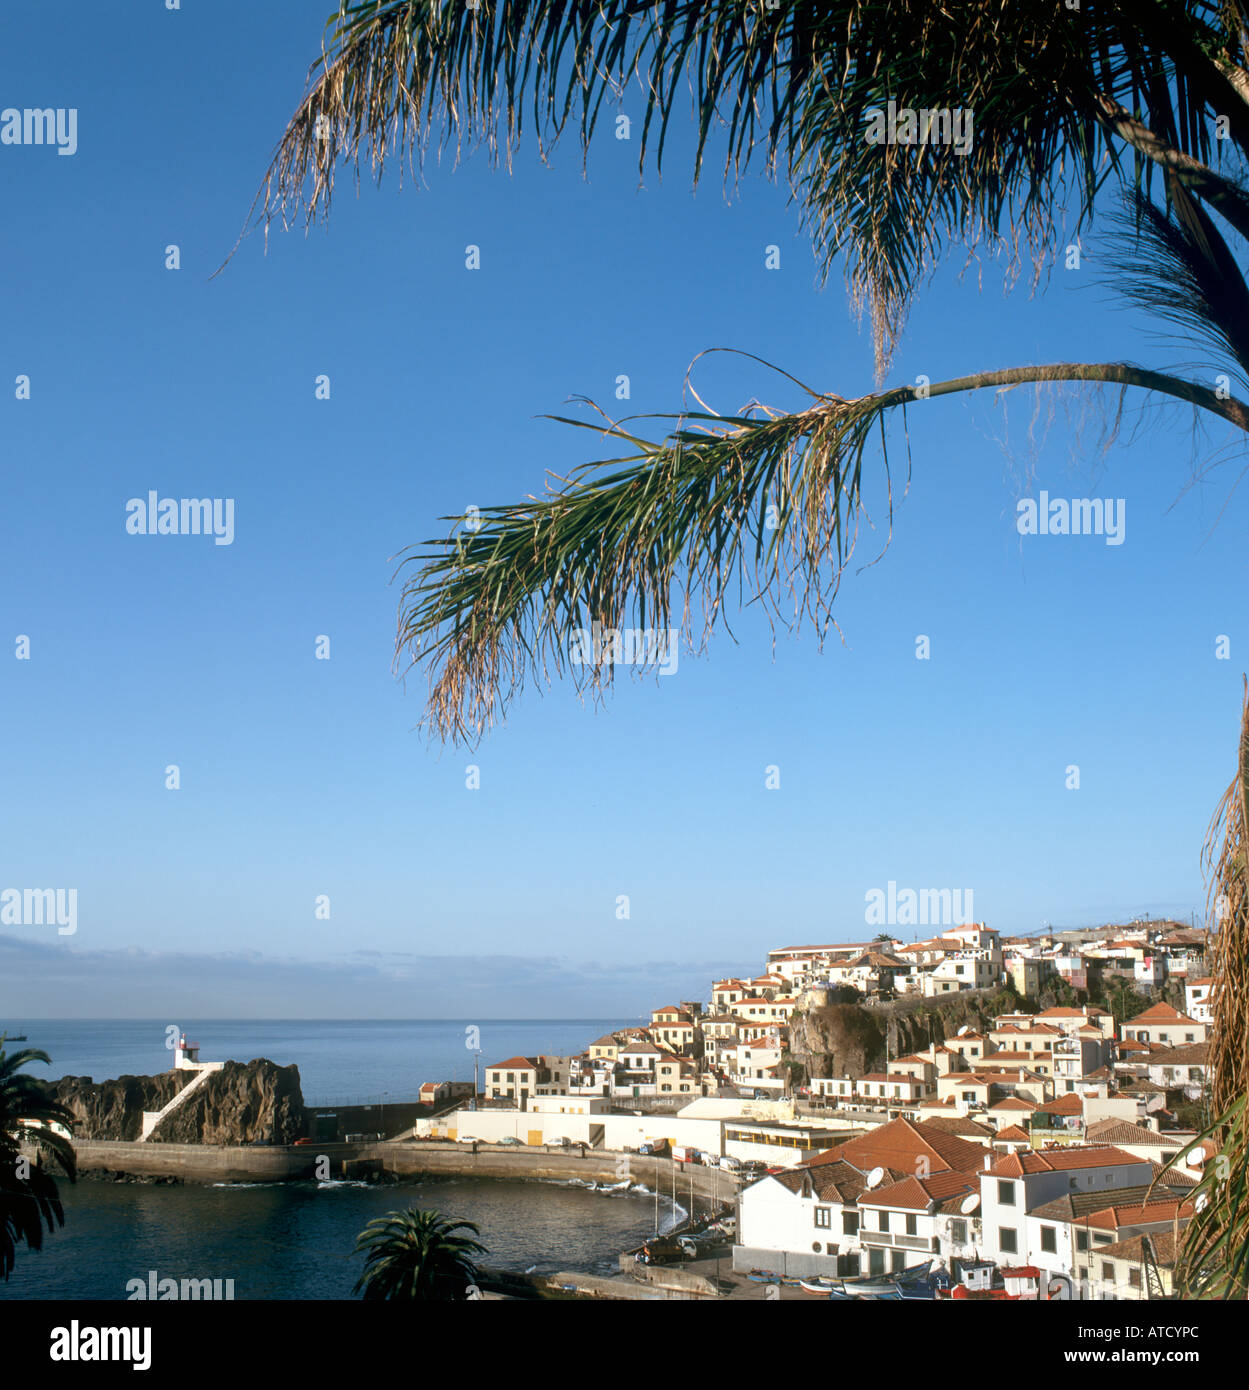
772, 503
28, 1195
417, 1255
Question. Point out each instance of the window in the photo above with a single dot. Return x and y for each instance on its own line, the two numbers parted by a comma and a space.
1006, 1193
1134, 1278
850, 1223
1006, 1241
1049, 1240
1082, 1240
884, 1221
1189, 1037
912, 1226
1108, 1271
958, 1232
824, 1217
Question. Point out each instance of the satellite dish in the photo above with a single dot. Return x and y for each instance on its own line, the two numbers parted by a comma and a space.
966, 1028
875, 1177
969, 1203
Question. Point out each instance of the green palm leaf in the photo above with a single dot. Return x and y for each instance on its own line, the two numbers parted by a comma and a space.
417, 1255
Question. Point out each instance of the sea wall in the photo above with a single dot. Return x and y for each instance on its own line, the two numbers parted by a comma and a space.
209, 1163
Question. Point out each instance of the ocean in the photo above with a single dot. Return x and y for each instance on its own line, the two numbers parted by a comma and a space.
295, 1240
339, 1060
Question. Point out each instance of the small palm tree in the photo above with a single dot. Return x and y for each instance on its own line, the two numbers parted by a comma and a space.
417, 1255
28, 1195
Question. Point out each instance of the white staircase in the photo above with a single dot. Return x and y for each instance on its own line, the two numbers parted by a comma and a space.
151, 1118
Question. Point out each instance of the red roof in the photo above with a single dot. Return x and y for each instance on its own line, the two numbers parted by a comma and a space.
900, 1142
1061, 1158
918, 1194
1161, 1013
516, 1064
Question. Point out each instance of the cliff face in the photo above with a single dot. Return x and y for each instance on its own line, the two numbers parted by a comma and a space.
114, 1109
242, 1102
835, 1040
850, 1040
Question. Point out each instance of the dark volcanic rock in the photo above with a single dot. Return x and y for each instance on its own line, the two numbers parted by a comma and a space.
851, 1040
114, 1109
242, 1102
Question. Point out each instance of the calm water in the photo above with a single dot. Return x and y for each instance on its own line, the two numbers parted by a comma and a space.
294, 1240
338, 1059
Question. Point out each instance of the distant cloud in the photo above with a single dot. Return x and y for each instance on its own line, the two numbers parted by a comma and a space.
40, 979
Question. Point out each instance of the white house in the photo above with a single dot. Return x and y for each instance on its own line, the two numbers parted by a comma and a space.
1012, 1187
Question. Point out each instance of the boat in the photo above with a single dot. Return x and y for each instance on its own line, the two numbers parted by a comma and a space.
763, 1276
916, 1274
820, 1284
889, 1285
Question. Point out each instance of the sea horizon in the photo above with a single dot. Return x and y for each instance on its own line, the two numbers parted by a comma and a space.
338, 1058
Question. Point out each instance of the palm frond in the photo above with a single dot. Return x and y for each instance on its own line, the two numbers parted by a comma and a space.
1214, 1258
1174, 263
28, 1201
1058, 97
765, 502
417, 1255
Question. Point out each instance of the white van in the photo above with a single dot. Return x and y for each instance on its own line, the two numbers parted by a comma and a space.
731, 1164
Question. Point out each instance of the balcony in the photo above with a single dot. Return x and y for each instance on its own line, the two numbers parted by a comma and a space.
898, 1241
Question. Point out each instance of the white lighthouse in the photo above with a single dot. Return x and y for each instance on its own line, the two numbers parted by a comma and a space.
186, 1055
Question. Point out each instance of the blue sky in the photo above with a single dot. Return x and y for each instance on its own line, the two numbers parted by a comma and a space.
302, 777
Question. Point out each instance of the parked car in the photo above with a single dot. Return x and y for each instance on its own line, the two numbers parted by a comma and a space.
659, 1252
307, 1139
508, 1139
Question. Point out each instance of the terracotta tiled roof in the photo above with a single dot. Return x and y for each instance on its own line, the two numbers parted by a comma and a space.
1160, 1013
1075, 1206
1161, 1248
1014, 1134
1114, 1131
917, 1194
1141, 1213
1061, 1158
900, 1142
830, 1182
1064, 1105
515, 1064
958, 1124
1188, 1055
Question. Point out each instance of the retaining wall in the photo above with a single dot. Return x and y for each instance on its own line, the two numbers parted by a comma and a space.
222, 1163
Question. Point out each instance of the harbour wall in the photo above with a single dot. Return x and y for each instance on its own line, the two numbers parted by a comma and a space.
209, 1163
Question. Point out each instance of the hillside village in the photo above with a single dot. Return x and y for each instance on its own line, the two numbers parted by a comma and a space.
1022, 1159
